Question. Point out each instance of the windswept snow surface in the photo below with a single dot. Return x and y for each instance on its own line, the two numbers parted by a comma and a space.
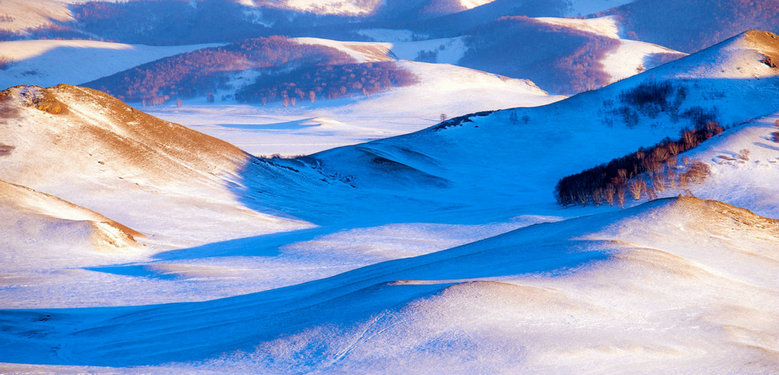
156, 177
597, 294
41, 229
51, 62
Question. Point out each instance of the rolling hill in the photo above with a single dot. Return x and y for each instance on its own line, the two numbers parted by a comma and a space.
158, 178
132, 244
669, 23
444, 309
279, 70
51, 62
729, 83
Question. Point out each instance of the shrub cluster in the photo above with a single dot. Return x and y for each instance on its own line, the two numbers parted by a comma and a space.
650, 98
642, 173
775, 135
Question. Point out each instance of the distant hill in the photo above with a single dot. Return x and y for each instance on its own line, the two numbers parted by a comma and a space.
459, 23
279, 70
169, 22
558, 59
692, 25
47, 62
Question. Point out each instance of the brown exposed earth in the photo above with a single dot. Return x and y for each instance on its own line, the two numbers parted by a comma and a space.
767, 43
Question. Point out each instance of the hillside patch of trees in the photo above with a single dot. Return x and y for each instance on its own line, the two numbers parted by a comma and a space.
288, 72
644, 173
203, 71
309, 84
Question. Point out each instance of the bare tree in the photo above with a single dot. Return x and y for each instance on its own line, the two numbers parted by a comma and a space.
621, 196
608, 194
597, 196
657, 183
636, 187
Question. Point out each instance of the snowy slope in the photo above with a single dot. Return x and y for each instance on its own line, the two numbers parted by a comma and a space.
50, 62
539, 299
359, 51
161, 179
511, 160
744, 178
394, 9
21, 16
560, 55
41, 231
580, 8
692, 25
629, 57
442, 89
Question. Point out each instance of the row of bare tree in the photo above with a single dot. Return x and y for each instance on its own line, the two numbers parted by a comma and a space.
644, 173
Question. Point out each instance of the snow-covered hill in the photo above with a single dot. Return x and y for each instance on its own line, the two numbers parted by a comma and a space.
561, 55
51, 62
744, 165
442, 89
41, 231
130, 244
158, 178
509, 160
21, 16
629, 57
551, 298
692, 25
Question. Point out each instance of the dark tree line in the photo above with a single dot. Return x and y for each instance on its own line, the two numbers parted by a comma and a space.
645, 172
